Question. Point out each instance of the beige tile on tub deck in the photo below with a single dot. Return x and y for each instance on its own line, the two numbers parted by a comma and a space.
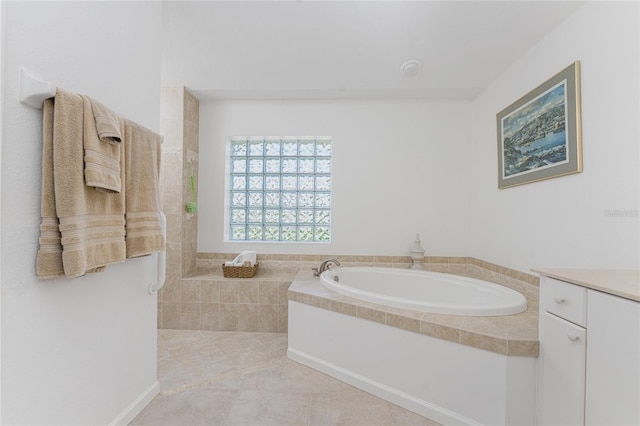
296, 297
190, 291
318, 302
159, 315
248, 291
209, 291
172, 291
493, 344
228, 291
269, 292
371, 314
248, 318
190, 316
210, 316
344, 308
228, 316
283, 318
403, 322
171, 315
283, 288
268, 318
440, 331
530, 348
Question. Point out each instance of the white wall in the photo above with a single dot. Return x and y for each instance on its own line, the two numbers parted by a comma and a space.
2, 48
410, 160
73, 351
400, 167
563, 222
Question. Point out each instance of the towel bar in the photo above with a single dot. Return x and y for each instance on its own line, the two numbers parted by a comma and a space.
33, 89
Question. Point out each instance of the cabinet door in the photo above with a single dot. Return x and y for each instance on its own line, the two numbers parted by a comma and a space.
613, 361
563, 385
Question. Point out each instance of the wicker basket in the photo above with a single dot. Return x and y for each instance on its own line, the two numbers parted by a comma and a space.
239, 271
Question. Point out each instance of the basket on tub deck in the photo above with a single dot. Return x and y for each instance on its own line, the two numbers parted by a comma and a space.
239, 271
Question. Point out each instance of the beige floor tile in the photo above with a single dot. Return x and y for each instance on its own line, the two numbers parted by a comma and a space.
201, 406
234, 378
290, 376
350, 407
258, 407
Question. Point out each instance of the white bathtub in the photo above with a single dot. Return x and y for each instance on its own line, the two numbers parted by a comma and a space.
447, 380
433, 292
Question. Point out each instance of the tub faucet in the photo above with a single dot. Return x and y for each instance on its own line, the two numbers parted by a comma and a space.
324, 266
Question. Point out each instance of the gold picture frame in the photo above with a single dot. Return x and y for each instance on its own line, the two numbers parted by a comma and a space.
539, 135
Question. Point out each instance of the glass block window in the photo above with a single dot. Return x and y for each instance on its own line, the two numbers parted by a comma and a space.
279, 189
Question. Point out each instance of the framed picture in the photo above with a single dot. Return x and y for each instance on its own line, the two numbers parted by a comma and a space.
539, 134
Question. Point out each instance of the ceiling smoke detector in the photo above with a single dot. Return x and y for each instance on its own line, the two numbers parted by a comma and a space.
411, 67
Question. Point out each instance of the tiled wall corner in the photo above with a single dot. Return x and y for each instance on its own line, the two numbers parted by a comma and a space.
191, 130
171, 116
179, 126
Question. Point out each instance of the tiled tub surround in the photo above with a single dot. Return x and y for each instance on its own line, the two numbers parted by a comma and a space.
525, 283
471, 369
512, 335
205, 300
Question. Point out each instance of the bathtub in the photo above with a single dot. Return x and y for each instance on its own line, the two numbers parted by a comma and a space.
451, 380
424, 291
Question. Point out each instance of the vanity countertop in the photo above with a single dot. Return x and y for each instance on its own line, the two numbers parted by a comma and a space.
618, 282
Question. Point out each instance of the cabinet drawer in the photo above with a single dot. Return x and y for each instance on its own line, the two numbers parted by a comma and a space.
565, 300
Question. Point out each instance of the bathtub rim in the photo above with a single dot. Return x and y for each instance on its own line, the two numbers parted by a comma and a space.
435, 308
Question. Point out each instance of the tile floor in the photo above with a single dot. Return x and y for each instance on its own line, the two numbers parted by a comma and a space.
239, 378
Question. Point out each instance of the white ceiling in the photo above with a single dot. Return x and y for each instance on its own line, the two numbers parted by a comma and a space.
348, 49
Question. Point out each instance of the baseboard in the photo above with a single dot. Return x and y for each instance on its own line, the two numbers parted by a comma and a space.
402, 399
136, 407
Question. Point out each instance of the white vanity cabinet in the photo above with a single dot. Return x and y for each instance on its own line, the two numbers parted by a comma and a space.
613, 360
589, 355
563, 347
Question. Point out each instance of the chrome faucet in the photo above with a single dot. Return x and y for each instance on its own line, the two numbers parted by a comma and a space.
324, 266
